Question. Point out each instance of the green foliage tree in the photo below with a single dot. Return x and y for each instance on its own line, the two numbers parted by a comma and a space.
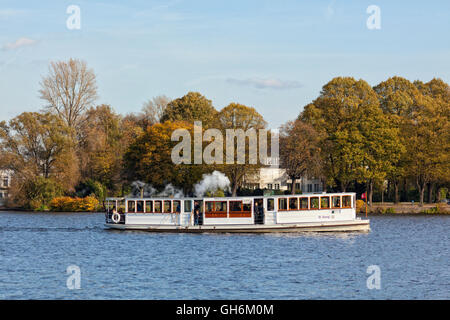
438, 122
35, 193
421, 113
91, 188
399, 100
191, 107
429, 146
358, 143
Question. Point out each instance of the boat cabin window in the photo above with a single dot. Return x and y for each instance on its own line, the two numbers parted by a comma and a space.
167, 206
314, 203
293, 203
121, 206
282, 204
140, 206
177, 206
240, 209
216, 206
303, 203
235, 206
187, 206
131, 206
325, 202
158, 206
209, 206
220, 206
216, 209
149, 206
270, 204
346, 201
336, 201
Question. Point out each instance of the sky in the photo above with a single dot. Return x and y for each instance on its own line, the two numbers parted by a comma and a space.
274, 56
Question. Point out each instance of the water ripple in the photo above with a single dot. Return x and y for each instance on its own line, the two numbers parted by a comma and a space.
36, 249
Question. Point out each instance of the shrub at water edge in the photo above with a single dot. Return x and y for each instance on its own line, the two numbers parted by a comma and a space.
68, 204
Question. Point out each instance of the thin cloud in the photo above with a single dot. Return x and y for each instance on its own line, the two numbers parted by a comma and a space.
270, 83
19, 43
10, 13
329, 12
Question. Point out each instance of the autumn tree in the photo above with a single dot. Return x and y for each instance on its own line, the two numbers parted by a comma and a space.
36, 145
32, 143
421, 113
191, 107
429, 145
299, 150
358, 143
438, 121
100, 142
149, 158
70, 89
153, 109
399, 100
240, 117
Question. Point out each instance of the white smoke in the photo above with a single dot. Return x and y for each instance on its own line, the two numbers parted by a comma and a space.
149, 191
171, 191
212, 182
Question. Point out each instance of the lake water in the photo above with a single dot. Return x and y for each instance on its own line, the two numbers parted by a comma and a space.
412, 253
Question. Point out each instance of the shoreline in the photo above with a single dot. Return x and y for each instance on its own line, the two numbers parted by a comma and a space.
32, 211
358, 214
402, 208
400, 214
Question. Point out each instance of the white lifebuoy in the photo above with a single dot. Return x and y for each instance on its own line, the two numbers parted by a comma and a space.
115, 217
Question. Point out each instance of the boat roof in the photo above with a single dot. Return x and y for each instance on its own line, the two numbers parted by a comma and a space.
233, 198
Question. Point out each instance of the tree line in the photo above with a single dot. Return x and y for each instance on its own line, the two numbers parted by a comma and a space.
353, 137
73, 147
393, 138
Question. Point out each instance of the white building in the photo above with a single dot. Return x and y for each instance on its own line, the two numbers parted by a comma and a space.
5, 183
273, 178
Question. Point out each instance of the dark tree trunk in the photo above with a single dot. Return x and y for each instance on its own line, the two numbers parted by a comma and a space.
430, 192
388, 190
343, 187
235, 187
421, 185
293, 185
396, 193
324, 184
405, 190
422, 194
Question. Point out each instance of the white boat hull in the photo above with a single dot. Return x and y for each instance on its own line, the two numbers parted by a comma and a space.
331, 226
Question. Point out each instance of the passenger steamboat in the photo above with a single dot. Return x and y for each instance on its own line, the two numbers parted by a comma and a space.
287, 213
